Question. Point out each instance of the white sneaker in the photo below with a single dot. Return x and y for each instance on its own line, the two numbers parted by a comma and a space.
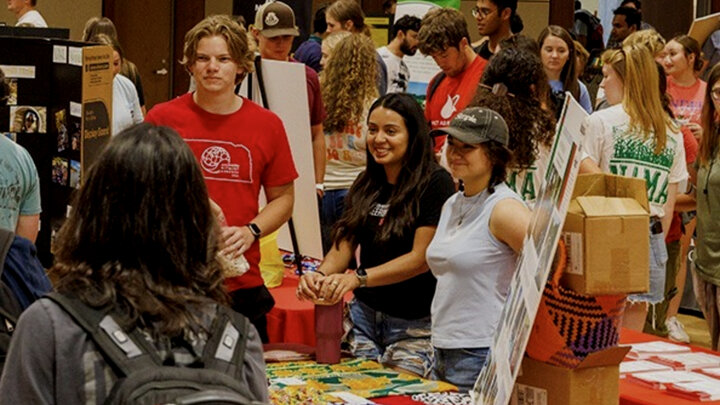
676, 330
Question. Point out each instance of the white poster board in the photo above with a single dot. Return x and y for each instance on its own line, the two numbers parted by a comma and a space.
286, 92
496, 380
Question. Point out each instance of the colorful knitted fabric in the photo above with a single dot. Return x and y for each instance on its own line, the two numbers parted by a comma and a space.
570, 325
309, 382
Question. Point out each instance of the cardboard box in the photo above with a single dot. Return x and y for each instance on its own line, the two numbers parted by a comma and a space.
607, 237
595, 381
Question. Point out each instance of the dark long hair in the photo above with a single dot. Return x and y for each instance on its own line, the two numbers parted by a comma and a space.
568, 75
417, 166
141, 238
711, 130
530, 125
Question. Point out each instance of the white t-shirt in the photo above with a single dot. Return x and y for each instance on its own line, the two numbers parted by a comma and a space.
609, 142
398, 74
126, 106
33, 18
526, 183
346, 154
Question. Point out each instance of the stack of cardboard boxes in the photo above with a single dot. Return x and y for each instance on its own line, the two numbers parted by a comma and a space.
606, 235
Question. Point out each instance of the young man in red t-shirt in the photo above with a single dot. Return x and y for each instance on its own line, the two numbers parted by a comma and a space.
444, 36
241, 147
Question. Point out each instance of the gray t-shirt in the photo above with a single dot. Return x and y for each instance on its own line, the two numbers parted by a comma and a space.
53, 361
19, 184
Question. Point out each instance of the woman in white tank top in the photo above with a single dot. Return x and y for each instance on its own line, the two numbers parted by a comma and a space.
473, 252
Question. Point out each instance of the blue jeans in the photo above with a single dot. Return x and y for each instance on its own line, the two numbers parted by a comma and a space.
332, 208
658, 261
393, 342
459, 367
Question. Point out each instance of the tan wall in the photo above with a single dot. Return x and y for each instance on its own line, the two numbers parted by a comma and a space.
213, 7
61, 13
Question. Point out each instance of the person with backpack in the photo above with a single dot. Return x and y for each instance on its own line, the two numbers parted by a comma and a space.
141, 315
587, 29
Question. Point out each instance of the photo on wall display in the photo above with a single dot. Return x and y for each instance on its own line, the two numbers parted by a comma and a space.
75, 136
60, 171
63, 141
12, 97
28, 120
74, 174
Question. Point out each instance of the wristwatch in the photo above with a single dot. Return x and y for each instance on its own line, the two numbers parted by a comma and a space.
361, 274
255, 230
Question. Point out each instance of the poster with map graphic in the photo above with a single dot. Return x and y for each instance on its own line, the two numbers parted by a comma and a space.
496, 380
422, 67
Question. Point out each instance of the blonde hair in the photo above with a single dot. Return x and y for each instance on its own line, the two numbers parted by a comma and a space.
234, 34
648, 38
334, 38
349, 81
641, 99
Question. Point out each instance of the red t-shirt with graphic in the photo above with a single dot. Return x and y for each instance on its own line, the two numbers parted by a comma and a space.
238, 154
451, 96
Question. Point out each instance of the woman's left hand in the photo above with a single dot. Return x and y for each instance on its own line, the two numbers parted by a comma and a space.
335, 286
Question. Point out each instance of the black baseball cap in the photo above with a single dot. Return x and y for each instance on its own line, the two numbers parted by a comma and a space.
475, 125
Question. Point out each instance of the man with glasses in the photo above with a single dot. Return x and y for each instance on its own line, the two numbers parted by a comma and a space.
494, 19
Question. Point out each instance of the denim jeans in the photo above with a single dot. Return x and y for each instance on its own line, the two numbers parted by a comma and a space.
658, 260
333, 206
393, 342
459, 367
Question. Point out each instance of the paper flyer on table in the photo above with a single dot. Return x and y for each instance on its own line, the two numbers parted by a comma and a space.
496, 380
422, 67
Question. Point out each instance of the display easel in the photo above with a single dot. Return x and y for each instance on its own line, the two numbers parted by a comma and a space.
269, 86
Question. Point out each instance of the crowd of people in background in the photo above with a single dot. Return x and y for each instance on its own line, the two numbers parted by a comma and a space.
426, 202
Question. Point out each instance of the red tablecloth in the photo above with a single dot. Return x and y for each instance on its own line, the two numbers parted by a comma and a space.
291, 320
634, 394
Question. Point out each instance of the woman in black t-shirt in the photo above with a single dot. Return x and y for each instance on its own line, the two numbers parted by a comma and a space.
392, 211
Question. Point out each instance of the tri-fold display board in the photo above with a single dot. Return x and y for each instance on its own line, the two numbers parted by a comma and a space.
60, 110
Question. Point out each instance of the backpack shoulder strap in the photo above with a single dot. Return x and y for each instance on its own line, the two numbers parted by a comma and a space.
434, 84
225, 348
6, 240
124, 351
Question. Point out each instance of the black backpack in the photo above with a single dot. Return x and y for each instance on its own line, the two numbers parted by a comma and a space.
143, 378
595, 30
10, 308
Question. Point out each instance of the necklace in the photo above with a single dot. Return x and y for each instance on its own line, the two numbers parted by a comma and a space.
463, 212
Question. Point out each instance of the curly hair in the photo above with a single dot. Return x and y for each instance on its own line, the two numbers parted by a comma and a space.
141, 238
348, 82
529, 123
